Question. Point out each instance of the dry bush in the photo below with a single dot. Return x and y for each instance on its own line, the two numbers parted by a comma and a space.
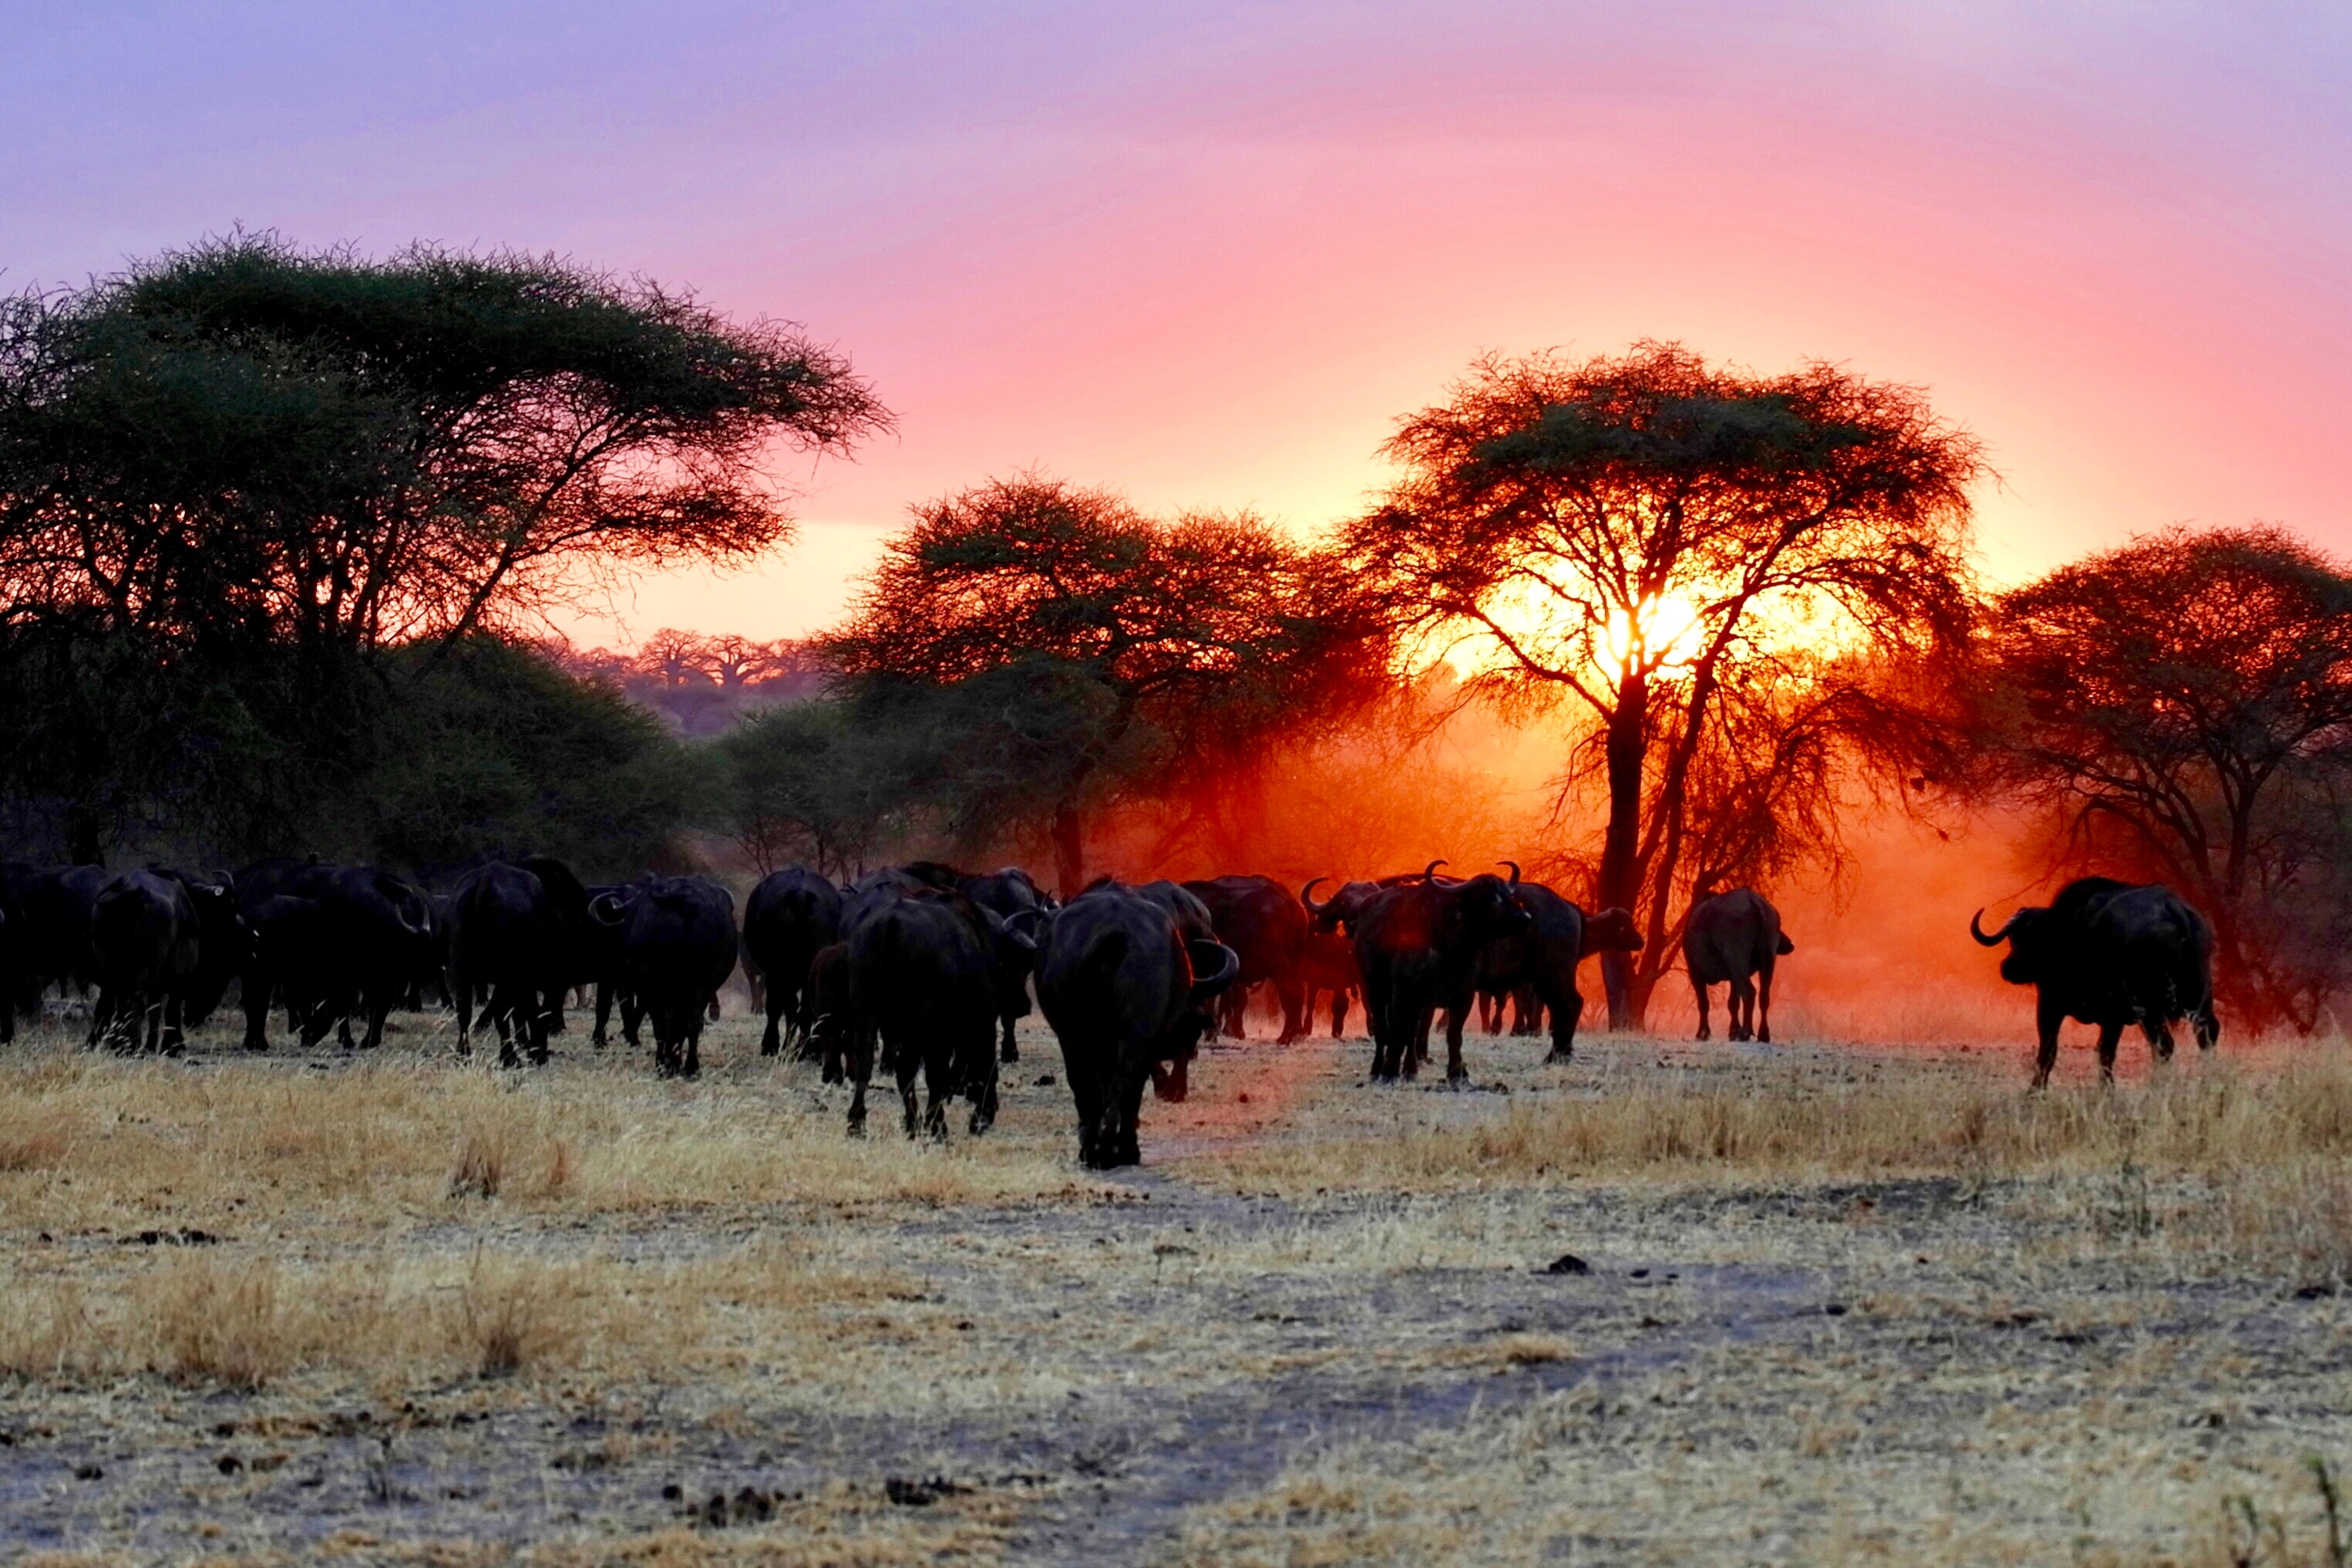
513, 1314
217, 1324
482, 1165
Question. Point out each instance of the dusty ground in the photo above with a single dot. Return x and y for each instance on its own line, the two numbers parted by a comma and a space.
1837, 1304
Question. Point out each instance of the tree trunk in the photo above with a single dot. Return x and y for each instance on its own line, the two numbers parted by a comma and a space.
1620, 881
1069, 850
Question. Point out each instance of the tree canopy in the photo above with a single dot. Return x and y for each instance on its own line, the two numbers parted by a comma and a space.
246, 440
1110, 647
1689, 558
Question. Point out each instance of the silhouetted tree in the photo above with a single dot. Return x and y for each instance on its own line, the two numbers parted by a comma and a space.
2185, 703
245, 468
1638, 536
806, 781
1136, 646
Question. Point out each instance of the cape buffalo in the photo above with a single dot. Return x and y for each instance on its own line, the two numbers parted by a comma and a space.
505, 945
48, 910
1537, 964
1267, 928
1124, 991
147, 940
676, 948
1730, 937
1012, 894
924, 979
1417, 943
2109, 953
371, 936
790, 917
1329, 967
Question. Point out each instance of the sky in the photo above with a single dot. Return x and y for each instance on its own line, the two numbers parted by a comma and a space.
1208, 254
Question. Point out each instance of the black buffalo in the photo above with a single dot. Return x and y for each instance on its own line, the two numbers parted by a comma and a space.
676, 948
1126, 991
1329, 969
926, 981
1266, 926
507, 947
1730, 937
48, 910
1537, 964
332, 943
1013, 896
1417, 943
2108, 953
791, 917
148, 940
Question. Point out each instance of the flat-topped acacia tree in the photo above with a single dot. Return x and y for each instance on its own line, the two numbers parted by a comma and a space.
1688, 559
1104, 647
230, 474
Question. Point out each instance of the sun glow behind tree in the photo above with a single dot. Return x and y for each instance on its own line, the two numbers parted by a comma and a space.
1693, 562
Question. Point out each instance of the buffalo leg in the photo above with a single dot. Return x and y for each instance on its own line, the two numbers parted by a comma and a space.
1526, 1010
1009, 1052
859, 1069
1566, 1011
461, 996
379, 1005
602, 1031
2208, 1026
1293, 997
907, 1065
2046, 1019
633, 1017
1742, 1008
1764, 1002
2108, 1034
1233, 1008
254, 998
1698, 989
1455, 1018
2159, 1037
1338, 1014
772, 1038
693, 1067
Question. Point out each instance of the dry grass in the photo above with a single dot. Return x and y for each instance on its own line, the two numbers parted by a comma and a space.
1774, 1125
2072, 1278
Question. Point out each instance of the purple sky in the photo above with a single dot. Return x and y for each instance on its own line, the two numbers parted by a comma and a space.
1208, 254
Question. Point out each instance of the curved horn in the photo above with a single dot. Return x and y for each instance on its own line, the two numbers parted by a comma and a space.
1514, 865
605, 908
1228, 967
1977, 930
1430, 870
1306, 896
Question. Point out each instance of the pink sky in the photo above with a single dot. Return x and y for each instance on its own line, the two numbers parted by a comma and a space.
1208, 254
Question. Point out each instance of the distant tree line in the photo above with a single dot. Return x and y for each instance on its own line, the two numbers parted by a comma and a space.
280, 533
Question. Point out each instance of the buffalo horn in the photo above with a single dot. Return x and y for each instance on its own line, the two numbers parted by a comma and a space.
1228, 964
605, 908
1306, 897
1977, 930
1430, 871
1514, 865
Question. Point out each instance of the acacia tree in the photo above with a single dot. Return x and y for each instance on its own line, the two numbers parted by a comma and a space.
253, 466
1644, 538
1118, 648
2185, 704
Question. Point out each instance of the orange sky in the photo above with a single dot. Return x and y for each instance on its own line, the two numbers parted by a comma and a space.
1208, 254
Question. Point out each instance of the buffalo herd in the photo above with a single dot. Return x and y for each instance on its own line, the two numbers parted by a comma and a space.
924, 970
